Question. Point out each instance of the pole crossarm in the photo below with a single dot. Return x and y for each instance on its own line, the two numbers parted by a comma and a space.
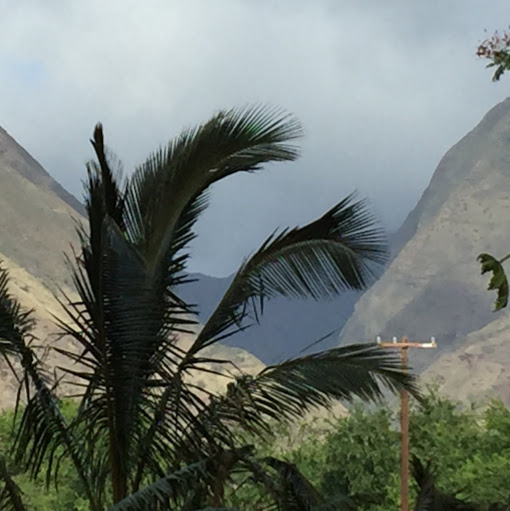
404, 345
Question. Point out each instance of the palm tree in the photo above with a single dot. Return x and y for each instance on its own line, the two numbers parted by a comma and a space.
143, 436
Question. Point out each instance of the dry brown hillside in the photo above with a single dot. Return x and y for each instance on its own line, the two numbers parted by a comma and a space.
36, 225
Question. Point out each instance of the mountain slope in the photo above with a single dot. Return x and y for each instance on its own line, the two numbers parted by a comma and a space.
433, 285
37, 226
15, 157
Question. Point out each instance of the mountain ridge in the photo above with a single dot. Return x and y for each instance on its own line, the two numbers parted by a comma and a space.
433, 285
17, 157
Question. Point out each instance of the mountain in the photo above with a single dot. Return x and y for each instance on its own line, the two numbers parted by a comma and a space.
287, 327
37, 226
14, 157
433, 285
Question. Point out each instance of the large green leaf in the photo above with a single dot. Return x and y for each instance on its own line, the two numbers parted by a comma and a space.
192, 486
295, 491
173, 487
498, 280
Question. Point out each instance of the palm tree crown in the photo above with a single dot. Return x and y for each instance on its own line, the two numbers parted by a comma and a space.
143, 436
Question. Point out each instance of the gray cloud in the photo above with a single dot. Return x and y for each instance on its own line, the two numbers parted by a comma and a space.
382, 88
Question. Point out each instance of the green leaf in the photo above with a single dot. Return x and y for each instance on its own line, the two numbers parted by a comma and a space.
498, 280
296, 492
198, 482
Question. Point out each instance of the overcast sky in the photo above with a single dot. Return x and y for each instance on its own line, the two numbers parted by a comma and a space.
383, 89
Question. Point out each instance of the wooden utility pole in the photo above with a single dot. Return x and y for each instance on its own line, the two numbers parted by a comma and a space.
404, 345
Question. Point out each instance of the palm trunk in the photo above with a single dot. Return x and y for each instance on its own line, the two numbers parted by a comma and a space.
119, 477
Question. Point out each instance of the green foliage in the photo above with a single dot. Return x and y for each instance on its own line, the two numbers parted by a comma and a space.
469, 453
36, 494
358, 456
498, 280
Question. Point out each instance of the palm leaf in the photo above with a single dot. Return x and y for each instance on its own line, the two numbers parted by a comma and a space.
42, 429
339, 251
166, 194
176, 486
429, 497
127, 347
15, 323
102, 175
295, 491
10, 493
123, 323
203, 478
149, 224
289, 390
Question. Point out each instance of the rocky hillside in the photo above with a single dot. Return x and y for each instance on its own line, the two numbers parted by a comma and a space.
433, 285
37, 226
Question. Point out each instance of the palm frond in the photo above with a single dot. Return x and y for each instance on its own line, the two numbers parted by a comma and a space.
429, 497
357, 370
127, 345
199, 482
295, 491
43, 433
42, 430
10, 493
341, 250
176, 486
289, 390
166, 194
15, 322
113, 200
